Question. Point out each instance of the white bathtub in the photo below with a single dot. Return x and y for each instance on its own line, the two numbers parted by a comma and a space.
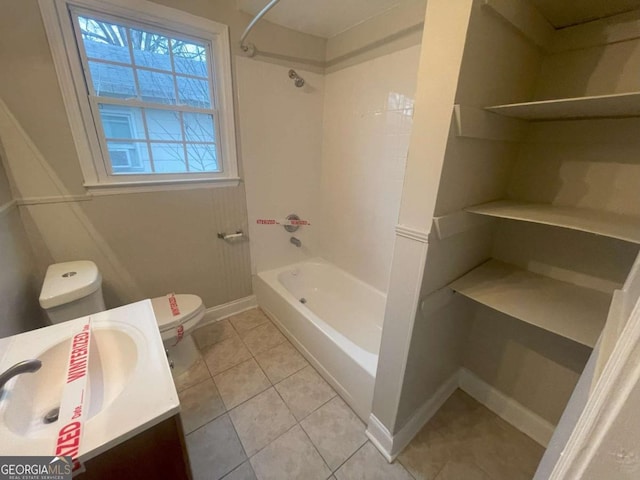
338, 328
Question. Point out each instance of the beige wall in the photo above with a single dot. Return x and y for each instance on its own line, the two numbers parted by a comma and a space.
145, 244
19, 309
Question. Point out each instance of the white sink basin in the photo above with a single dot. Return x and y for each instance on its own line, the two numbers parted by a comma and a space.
130, 387
112, 360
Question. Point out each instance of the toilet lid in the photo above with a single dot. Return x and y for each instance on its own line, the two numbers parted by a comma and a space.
171, 311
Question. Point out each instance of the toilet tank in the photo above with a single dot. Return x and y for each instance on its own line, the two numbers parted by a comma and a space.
71, 290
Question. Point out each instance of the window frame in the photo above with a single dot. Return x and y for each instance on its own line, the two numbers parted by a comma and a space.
87, 131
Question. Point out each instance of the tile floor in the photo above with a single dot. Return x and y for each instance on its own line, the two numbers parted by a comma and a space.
466, 441
253, 408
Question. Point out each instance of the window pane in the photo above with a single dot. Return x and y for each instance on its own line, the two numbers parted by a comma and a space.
104, 40
194, 92
189, 58
129, 157
112, 80
168, 157
202, 158
156, 87
164, 125
150, 49
198, 127
121, 122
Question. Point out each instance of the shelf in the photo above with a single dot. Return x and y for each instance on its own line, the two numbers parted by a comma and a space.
602, 106
622, 227
573, 312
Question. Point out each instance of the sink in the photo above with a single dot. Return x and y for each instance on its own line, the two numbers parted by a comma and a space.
112, 360
130, 387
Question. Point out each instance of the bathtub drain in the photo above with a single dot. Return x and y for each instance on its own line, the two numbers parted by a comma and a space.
303, 300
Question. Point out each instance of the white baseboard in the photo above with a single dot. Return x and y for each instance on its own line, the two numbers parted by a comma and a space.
391, 445
380, 437
507, 408
220, 312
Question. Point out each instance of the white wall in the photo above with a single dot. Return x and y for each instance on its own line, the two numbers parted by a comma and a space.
281, 141
368, 111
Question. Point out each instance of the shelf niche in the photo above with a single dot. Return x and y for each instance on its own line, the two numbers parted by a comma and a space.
573, 312
622, 227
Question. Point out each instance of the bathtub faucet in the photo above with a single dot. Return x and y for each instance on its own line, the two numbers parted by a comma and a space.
296, 242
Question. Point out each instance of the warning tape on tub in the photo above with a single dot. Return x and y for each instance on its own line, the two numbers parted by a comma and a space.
74, 398
286, 223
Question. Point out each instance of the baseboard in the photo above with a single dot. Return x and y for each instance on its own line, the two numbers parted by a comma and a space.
391, 445
220, 312
507, 408
380, 437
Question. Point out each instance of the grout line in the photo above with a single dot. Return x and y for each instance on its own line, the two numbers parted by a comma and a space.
350, 456
195, 385
315, 448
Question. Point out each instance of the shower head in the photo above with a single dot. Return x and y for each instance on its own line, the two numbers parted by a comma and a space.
297, 79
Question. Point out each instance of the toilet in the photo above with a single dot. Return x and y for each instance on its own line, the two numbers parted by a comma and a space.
74, 289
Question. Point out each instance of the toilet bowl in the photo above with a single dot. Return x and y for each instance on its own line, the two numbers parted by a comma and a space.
74, 289
177, 317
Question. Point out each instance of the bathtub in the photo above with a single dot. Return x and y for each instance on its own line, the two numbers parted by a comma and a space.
333, 318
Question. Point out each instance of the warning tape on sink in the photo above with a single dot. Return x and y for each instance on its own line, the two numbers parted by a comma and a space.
74, 398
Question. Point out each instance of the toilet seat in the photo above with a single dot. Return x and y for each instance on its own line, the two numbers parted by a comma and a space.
187, 310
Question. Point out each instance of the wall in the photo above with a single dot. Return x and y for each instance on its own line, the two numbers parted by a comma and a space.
19, 309
145, 244
282, 141
596, 58
368, 115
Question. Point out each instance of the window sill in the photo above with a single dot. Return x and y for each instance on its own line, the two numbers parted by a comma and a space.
118, 188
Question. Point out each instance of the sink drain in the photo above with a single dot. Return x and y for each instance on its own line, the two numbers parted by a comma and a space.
52, 416
303, 300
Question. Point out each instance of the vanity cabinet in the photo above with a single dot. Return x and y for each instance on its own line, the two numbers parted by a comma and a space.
157, 453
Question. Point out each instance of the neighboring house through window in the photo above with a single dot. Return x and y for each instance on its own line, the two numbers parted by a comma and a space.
150, 92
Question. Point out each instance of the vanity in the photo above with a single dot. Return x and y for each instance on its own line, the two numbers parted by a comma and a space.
131, 423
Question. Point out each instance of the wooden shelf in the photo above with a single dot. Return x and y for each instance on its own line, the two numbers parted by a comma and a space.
602, 106
562, 308
622, 227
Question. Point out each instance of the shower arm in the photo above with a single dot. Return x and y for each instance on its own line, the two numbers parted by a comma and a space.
249, 48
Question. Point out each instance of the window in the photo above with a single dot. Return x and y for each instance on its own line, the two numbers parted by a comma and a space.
148, 92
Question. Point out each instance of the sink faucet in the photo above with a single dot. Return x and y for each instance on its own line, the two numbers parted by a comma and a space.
296, 242
26, 366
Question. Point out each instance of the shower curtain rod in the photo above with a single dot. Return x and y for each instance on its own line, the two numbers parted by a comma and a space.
250, 48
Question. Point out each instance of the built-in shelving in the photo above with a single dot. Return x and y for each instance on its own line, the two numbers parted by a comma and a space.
601, 106
565, 309
622, 227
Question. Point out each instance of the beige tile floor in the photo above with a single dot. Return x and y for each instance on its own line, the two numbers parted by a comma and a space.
253, 408
466, 441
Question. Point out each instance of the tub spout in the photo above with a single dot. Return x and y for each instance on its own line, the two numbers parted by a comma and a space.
296, 242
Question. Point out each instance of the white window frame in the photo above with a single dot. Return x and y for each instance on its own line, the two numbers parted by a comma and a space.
87, 138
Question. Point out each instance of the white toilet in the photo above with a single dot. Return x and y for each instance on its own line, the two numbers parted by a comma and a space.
74, 289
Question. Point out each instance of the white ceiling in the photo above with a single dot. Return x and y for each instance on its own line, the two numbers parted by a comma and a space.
562, 13
324, 18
